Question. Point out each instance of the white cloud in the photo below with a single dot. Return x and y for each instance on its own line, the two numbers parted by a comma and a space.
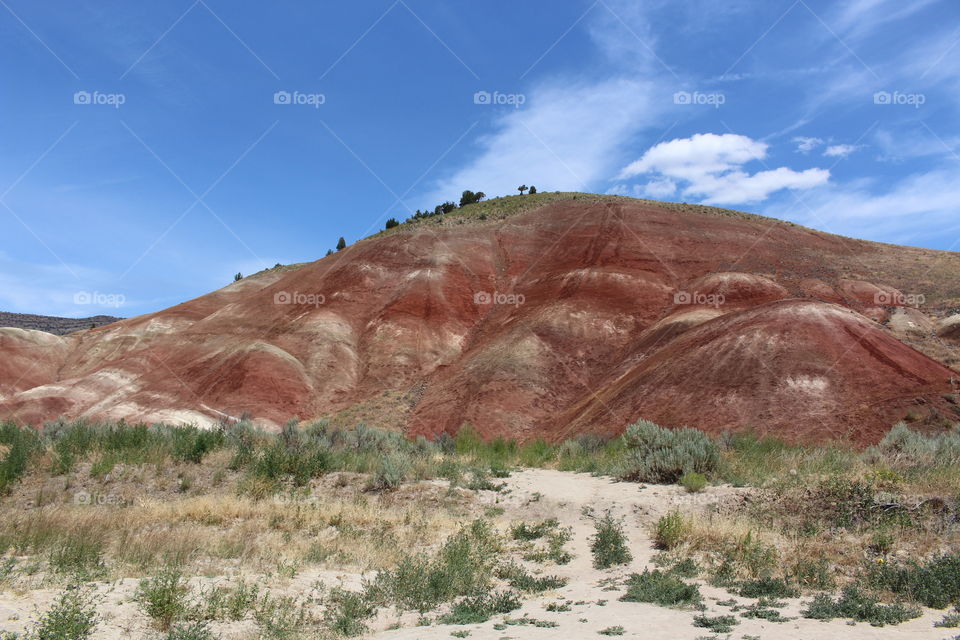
661, 188
917, 209
564, 138
806, 145
711, 167
839, 150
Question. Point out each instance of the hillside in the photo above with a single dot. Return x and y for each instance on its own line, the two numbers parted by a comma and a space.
527, 316
52, 324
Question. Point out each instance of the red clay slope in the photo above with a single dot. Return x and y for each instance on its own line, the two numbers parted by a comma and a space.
604, 310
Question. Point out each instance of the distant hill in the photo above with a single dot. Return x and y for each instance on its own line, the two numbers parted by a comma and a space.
538, 316
52, 324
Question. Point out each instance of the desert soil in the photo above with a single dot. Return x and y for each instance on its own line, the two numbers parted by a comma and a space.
534, 495
538, 494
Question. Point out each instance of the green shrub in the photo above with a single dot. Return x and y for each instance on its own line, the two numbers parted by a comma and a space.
716, 624
347, 611
935, 584
481, 608
524, 531
693, 482
655, 454
612, 631
72, 616
950, 620
393, 470
670, 531
767, 588
463, 566
662, 588
907, 448
521, 579
199, 630
856, 604
164, 597
609, 543
22, 444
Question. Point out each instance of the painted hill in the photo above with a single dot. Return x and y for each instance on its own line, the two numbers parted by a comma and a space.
546, 315
52, 324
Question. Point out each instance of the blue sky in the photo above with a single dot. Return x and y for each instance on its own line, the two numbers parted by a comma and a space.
152, 150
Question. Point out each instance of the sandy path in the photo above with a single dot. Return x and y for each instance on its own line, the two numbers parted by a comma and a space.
538, 494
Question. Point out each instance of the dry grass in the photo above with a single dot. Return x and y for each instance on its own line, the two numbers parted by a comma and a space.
333, 524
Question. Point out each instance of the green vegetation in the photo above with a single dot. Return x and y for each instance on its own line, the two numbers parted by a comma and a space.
662, 588
609, 543
164, 597
72, 616
670, 531
693, 482
716, 624
856, 604
655, 454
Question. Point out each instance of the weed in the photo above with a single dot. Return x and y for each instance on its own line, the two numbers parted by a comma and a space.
935, 584
198, 630
609, 543
767, 588
670, 531
164, 597
856, 604
716, 624
519, 578
346, 612
481, 608
72, 616
612, 631
558, 607
693, 482
662, 588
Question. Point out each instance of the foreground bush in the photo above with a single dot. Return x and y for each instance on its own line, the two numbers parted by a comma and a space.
662, 588
856, 604
935, 584
907, 448
609, 544
655, 454
72, 616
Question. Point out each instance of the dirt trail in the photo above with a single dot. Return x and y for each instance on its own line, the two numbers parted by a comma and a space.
539, 494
